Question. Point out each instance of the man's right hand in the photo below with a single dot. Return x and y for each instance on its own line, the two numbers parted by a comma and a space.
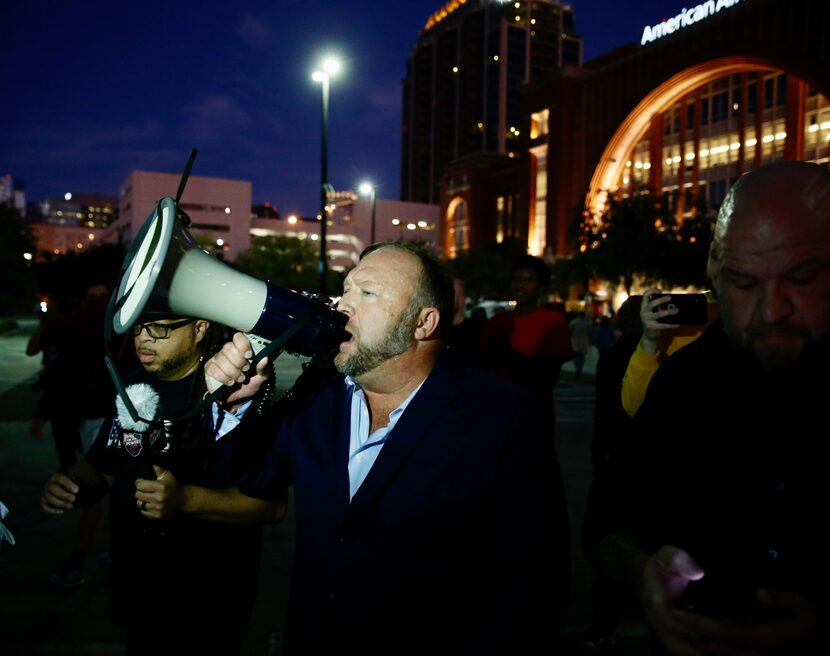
666, 576
649, 314
229, 367
58, 494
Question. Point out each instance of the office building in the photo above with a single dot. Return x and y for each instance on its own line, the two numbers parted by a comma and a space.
464, 80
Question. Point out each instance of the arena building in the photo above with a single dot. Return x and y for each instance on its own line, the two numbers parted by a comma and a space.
721, 88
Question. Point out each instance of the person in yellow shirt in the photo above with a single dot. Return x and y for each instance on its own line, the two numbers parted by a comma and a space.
658, 342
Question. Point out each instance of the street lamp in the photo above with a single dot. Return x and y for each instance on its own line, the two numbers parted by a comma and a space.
330, 66
367, 189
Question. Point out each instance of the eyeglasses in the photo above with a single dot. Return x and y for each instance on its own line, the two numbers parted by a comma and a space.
159, 330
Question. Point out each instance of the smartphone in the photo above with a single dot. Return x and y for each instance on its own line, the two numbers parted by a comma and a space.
691, 309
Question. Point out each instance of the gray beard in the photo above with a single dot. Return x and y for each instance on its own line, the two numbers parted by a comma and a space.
369, 356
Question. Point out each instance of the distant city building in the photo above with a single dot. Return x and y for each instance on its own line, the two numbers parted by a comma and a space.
349, 226
265, 211
464, 80
62, 239
219, 208
13, 193
87, 210
223, 219
71, 223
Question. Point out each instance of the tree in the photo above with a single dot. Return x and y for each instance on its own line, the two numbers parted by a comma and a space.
66, 277
486, 270
639, 237
286, 261
16, 279
690, 251
569, 272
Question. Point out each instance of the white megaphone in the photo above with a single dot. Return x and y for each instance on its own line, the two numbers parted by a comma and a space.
167, 273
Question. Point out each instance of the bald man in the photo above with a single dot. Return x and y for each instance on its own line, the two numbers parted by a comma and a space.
719, 526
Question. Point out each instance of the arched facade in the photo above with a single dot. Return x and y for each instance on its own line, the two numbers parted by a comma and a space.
654, 105
457, 222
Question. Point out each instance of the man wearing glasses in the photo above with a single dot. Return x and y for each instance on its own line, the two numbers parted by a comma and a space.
180, 530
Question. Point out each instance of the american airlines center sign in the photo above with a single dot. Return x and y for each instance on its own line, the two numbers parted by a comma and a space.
685, 18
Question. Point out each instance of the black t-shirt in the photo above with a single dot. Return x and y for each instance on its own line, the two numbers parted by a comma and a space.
207, 570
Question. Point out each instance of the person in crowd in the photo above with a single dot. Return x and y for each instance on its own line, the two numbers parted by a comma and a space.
184, 583
611, 424
719, 496
605, 335
529, 344
75, 393
74, 385
465, 331
581, 338
428, 497
659, 340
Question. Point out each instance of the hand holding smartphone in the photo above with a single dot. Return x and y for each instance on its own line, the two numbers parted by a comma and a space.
691, 309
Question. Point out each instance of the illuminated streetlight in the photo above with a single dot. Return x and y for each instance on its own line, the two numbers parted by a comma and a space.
367, 189
330, 66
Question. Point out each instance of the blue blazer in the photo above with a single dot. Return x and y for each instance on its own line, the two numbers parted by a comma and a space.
457, 538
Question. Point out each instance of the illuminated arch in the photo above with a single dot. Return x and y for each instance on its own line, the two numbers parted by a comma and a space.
612, 162
457, 220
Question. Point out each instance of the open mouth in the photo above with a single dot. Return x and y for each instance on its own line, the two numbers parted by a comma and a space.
348, 338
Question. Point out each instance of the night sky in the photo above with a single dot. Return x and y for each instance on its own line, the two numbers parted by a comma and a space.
93, 90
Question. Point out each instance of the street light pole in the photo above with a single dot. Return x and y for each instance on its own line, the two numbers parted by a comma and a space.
329, 68
324, 181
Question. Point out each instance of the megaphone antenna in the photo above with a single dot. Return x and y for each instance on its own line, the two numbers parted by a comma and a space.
186, 174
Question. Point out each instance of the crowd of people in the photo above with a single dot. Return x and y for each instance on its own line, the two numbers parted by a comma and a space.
420, 455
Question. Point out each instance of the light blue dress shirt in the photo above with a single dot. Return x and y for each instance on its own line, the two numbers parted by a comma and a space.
364, 448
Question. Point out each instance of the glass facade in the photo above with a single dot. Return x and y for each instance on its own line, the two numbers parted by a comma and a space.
708, 138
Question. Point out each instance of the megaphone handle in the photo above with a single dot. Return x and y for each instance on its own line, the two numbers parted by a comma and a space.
257, 344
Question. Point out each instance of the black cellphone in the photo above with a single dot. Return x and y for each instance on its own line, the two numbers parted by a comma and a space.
691, 309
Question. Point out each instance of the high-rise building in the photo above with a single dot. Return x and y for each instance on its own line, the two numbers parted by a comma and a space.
73, 222
13, 193
87, 210
464, 80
